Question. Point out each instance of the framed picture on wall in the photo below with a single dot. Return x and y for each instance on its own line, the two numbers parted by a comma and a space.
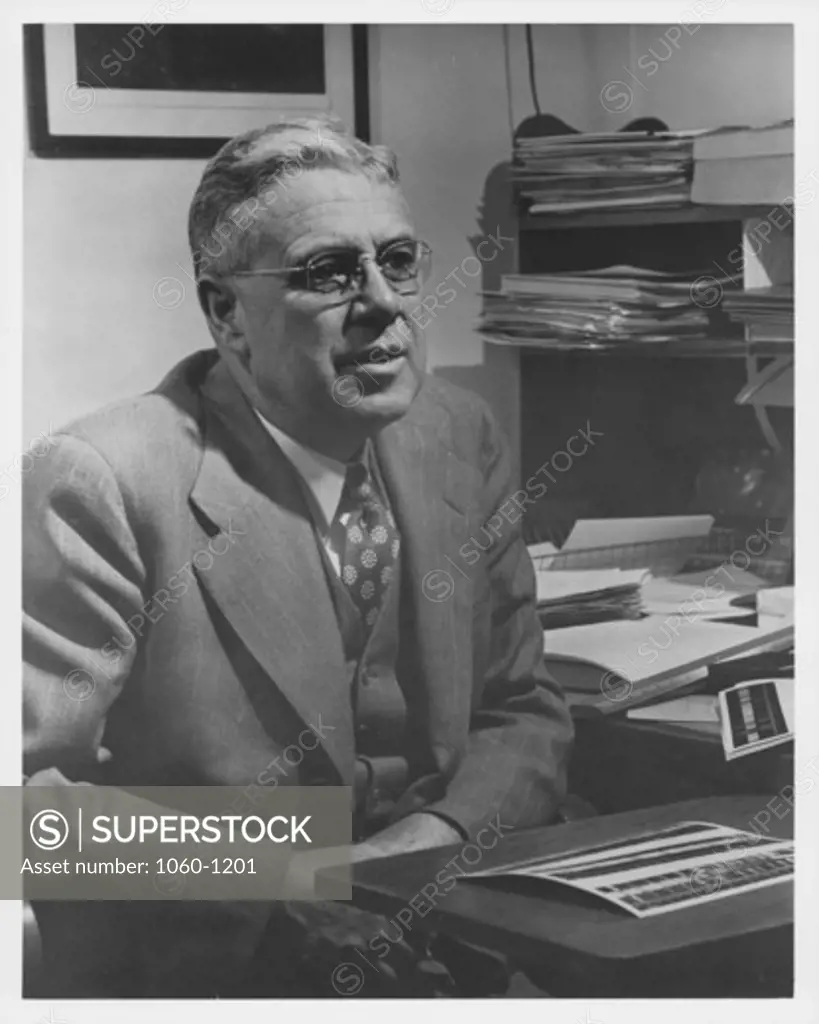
182, 90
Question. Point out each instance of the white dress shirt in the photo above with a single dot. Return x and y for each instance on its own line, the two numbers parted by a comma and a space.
324, 478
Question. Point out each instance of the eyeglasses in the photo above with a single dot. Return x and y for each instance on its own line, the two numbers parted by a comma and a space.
405, 265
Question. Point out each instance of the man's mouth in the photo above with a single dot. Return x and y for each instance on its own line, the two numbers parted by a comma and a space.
372, 357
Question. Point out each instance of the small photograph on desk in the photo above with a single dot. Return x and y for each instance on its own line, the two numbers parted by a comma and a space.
756, 715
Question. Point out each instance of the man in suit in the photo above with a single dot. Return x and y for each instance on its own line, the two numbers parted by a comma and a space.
252, 559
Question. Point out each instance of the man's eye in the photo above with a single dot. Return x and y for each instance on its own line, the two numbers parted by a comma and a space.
399, 258
330, 272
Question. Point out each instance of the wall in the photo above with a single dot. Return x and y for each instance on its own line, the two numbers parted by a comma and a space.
100, 235
720, 75
447, 98
660, 421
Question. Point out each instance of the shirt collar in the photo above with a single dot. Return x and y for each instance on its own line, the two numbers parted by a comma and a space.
324, 476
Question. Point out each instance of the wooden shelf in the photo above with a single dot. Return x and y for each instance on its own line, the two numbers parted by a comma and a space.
667, 410
641, 217
728, 348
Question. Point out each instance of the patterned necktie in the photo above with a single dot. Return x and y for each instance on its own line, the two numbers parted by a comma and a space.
370, 545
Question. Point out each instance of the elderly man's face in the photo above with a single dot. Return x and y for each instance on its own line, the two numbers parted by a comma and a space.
320, 359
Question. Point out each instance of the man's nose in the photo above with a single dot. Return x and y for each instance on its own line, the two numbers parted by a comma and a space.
376, 291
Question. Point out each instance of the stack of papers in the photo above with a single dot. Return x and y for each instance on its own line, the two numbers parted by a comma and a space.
767, 313
583, 596
604, 170
745, 166
573, 598
602, 308
685, 865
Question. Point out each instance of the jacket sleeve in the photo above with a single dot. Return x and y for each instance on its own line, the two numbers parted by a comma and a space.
83, 580
513, 772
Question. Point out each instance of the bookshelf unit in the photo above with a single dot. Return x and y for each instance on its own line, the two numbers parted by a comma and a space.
665, 411
662, 239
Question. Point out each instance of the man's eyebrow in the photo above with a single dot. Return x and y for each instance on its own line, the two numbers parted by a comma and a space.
328, 244
402, 236
336, 243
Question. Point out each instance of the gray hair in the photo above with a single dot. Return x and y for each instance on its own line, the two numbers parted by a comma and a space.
246, 176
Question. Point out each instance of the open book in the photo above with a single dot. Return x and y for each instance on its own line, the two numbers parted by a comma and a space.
610, 666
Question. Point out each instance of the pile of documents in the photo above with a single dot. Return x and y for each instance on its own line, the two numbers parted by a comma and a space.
601, 308
744, 166
605, 170
766, 313
584, 596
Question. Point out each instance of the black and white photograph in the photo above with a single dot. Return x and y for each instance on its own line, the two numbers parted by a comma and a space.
401, 456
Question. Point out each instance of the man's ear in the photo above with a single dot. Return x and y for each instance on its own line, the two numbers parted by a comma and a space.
224, 314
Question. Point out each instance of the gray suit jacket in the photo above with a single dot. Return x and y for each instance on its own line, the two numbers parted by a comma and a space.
170, 570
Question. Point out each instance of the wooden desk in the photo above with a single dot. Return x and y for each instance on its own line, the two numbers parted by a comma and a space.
622, 764
737, 946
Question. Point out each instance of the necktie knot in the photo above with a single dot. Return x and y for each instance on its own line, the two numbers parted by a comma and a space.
359, 483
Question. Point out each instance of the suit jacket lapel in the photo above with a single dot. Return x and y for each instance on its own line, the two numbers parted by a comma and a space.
429, 489
270, 584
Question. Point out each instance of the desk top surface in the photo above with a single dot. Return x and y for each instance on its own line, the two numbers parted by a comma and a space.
532, 925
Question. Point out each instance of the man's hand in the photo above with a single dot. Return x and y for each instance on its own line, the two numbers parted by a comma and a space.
321, 939
417, 832
318, 949
335, 931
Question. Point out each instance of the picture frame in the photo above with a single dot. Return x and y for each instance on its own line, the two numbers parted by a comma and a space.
82, 106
